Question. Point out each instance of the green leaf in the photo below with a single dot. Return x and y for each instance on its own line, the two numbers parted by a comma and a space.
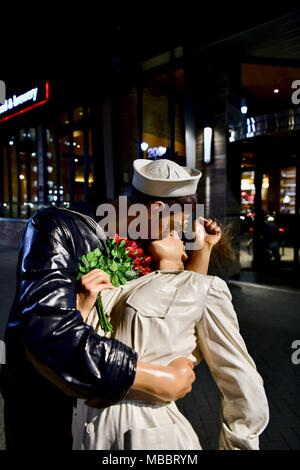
97, 252
115, 280
85, 261
114, 266
122, 244
122, 279
131, 274
89, 256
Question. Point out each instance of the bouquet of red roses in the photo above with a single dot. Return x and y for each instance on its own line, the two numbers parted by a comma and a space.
123, 260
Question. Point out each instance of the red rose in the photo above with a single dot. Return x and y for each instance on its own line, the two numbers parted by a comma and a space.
145, 271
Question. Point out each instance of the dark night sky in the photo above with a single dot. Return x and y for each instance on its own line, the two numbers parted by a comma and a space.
75, 40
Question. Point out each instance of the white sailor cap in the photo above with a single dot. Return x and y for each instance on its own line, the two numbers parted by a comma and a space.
164, 178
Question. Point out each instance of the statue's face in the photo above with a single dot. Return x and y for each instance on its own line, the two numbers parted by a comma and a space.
164, 219
153, 221
170, 249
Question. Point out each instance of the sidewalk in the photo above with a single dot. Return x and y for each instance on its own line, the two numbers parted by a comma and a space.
8, 262
285, 278
268, 313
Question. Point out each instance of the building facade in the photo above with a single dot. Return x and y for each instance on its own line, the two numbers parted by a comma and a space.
235, 116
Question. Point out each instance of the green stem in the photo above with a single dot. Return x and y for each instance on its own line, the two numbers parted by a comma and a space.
104, 322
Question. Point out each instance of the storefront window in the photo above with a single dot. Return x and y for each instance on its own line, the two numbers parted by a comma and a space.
265, 192
155, 116
32, 169
51, 168
163, 117
91, 161
127, 142
247, 191
162, 123
65, 155
34, 177
23, 184
180, 154
78, 114
64, 119
5, 182
14, 180
288, 190
36, 156
78, 144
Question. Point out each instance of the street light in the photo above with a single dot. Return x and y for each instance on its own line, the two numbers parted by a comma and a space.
207, 144
144, 146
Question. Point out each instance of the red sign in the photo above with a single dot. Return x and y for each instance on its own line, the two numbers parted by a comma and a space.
19, 103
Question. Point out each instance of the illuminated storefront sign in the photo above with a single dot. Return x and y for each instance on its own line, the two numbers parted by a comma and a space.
19, 103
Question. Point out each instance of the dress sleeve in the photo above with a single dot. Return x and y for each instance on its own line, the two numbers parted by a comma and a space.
244, 406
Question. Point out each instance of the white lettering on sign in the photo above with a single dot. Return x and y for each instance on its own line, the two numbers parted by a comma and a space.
296, 94
2, 92
16, 101
2, 352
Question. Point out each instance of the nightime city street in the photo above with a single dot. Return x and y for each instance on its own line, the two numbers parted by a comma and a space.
149, 221
269, 323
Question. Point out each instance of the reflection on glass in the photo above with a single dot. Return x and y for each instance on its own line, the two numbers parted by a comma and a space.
64, 118
180, 154
65, 172
23, 183
33, 168
91, 161
6, 169
14, 181
126, 142
78, 113
78, 152
155, 114
265, 192
51, 168
32, 134
288, 190
247, 191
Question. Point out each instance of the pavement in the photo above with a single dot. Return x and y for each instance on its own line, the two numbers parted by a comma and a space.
269, 321
8, 261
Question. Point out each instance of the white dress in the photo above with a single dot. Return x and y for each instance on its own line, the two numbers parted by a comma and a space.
162, 316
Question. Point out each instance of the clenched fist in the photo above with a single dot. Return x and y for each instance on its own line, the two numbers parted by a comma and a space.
88, 289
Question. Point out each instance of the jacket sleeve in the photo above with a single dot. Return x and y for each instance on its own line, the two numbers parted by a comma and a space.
244, 406
60, 345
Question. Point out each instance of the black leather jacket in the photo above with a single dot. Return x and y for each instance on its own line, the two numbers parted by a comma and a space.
56, 340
